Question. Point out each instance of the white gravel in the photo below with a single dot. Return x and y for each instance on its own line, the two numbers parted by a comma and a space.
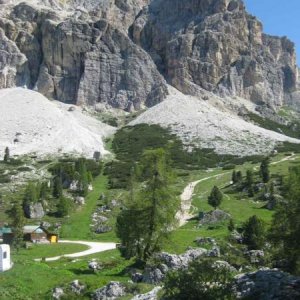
211, 124
47, 127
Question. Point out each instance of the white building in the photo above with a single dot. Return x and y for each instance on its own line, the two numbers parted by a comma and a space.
5, 262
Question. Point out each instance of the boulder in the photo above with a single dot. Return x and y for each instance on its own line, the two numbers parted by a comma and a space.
236, 237
76, 287
79, 200
255, 256
214, 217
111, 291
58, 293
205, 240
95, 265
152, 295
34, 210
267, 284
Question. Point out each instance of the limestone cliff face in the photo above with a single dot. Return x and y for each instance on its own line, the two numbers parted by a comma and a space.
78, 58
217, 45
120, 52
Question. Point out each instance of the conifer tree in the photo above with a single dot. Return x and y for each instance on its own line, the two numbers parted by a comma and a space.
150, 211
18, 222
215, 198
264, 170
6, 155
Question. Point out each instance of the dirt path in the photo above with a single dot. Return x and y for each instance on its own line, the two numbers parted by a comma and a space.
288, 158
186, 199
94, 247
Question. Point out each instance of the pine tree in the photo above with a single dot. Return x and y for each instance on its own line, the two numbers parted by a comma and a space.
215, 198
18, 222
82, 176
254, 233
150, 211
31, 194
6, 155
63, 207
264, 170
239, 176
57, 188
285, 229
249, 183
233, 177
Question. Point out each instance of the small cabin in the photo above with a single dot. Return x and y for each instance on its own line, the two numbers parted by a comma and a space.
5, 262
35, 234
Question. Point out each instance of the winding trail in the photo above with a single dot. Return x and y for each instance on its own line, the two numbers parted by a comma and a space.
184, 214
94, 247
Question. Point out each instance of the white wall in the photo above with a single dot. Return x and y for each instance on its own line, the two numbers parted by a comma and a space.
5, 262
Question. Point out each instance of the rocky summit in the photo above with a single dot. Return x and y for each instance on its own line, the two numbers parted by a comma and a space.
122, 53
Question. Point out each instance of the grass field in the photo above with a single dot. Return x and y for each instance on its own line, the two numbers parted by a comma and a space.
32, 280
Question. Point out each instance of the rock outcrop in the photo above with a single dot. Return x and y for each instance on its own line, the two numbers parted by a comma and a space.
116, 53
267, 284
111, 291
81, 60
34, 210
218, 46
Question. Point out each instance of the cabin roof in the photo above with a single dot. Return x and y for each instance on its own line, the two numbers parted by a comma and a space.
33, 229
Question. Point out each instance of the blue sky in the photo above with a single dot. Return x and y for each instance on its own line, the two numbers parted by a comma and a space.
279, 17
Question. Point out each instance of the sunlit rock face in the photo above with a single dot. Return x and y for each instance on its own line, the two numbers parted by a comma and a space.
121, 52
218, 46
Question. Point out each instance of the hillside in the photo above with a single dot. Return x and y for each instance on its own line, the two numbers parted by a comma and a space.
30, 123
212, 123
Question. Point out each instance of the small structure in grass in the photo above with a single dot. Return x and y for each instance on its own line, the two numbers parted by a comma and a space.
34, 234
5, 262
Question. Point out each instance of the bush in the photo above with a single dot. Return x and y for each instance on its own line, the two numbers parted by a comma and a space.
202, 280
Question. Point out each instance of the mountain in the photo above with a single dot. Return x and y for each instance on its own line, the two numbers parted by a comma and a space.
123, 52
130, 55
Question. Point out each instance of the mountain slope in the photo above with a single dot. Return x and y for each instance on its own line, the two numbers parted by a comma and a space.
30, 123
211, 124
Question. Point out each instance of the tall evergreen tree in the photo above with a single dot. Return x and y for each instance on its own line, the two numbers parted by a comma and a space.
57, 187
264, 170
18, 222
285, 229
233, 177
254, 233
215, 198
150, 212
6, 155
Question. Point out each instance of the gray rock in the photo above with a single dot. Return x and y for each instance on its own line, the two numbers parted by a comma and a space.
214, 252
267, 284
114, 52
153, 275
218, 46
95, 265
255, 256
57, 293
76, 287
79, 200
34, 210
152, 295
205, 240
214, 216
111, 291
236, 237
137, 277
102, 228
176, 262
